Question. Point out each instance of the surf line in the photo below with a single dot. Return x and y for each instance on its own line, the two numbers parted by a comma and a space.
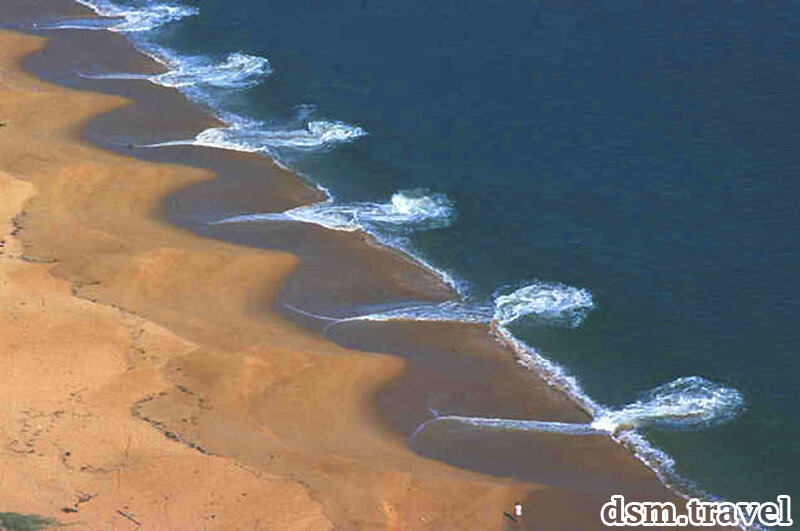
687, 403
567, 428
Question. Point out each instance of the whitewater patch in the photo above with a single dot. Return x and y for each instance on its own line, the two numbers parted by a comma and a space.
549, 302
391, 223
257, 137
544, 299
690, 403
205, 80
127, 19
450, 311
684, 404
407, 210
498, 424
687, 403
236, 71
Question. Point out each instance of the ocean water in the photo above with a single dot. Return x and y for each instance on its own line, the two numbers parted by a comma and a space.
612, 184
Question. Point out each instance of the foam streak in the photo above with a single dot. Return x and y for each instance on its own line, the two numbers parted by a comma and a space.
510, 425
129, 19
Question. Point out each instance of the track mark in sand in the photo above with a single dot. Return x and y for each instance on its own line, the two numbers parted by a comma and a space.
136, 411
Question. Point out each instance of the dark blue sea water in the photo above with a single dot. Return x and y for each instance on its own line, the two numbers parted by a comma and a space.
625, 171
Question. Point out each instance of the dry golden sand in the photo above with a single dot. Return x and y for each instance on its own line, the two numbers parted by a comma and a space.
141, 388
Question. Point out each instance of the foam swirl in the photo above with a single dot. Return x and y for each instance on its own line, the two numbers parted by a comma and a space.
128, 19
687, 403
406, 211
259, 138
238, 70
544, 299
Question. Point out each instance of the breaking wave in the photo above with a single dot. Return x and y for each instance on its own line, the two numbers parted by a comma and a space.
450, 311
237, 70
686, 403
689, 403
127, 19
511, 425
549, 302
407, 210
544, 299
195, 75
257, 137
390, 223
413, 210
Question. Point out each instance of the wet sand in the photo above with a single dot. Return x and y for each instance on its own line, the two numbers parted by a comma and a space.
153, 378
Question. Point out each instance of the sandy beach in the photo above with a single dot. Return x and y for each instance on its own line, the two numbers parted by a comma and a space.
150, 381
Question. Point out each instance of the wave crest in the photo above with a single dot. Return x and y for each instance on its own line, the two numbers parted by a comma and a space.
407, 211
237, 70
327, 132
258, 138
129, 19
685, 404
545, 299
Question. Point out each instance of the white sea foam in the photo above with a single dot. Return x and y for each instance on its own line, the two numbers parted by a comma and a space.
508, 425
686, 403
554, 374
329, 132
257, 137
390, 223
237, 70
552, 302
544, 299
689, 403
451, 311
126, 19
407, 210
